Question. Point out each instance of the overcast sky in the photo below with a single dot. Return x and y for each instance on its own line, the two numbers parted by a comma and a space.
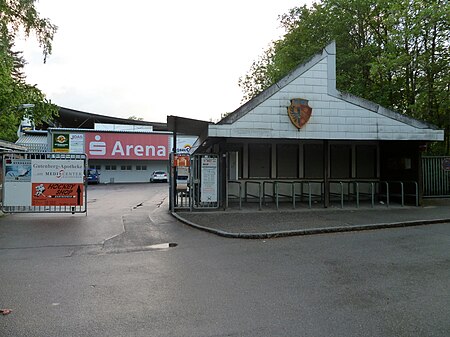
151, 59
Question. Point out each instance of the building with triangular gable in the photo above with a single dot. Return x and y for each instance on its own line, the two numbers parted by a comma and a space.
302, 129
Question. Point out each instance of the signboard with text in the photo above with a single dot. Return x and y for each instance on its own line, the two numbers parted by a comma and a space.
60, 142
136, 146
43, 182
68, 142
49, 194
181, 160
209, 174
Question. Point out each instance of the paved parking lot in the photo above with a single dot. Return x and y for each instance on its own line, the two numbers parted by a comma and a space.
110, 274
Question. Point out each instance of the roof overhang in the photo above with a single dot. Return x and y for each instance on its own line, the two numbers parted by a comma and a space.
187, 126
70, 118
10, 147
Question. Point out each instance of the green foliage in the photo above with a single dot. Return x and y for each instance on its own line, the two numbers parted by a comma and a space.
17, 15
392, 52
134, 118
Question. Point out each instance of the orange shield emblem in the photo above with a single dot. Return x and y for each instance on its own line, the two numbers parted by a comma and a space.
299, 112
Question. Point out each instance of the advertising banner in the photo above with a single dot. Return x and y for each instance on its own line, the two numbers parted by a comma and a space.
57, 171
18, 170
181, 160
48, 194
76, 143
60, 142
140, 146
43, 182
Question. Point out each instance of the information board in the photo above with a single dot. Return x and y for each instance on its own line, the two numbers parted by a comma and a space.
43, 182
209, 174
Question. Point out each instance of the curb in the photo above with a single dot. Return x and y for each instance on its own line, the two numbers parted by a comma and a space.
311, 231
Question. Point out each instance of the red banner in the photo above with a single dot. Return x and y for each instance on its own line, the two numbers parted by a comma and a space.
181, 161
49, 194
110, 145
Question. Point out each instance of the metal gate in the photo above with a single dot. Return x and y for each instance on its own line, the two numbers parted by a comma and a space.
44, 183
436, 176
201, 188
180, 195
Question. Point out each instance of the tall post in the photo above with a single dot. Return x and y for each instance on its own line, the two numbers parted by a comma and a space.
326, 170
173, 172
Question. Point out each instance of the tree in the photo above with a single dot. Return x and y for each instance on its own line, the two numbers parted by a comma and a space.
134, 118
21, 16
395, 53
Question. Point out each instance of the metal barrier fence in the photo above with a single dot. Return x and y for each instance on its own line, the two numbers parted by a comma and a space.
436, 176
386, 190
258, 196
235, 196
44, 183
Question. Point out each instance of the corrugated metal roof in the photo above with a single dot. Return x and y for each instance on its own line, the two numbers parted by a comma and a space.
34, 142
32, 139
6, 146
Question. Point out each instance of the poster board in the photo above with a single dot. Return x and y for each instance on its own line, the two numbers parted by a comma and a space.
209, 179
37, 184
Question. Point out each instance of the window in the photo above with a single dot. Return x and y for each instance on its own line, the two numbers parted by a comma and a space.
141, 167
287, 161
259, 160
125, 167
110, 167
95, 167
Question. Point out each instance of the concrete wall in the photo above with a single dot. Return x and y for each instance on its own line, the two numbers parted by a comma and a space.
125, 176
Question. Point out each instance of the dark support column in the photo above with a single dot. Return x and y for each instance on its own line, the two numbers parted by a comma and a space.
420, 174
222, 177
326, 166
173, 172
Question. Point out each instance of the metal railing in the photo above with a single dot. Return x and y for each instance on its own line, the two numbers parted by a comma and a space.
310, 184
258, 196
264, 187
354, 191
402, 191
235, 196
436, 176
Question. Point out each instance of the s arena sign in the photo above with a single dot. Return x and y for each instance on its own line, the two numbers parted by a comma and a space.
141, 146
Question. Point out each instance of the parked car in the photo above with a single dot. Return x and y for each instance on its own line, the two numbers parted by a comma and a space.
158, 176
93, 176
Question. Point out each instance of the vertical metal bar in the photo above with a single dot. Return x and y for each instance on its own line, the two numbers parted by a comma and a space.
403, 194
342, 194
240, 196
260, 199
293, 194
387, 193
357, 194
309, 194
275, 191
417, 193
245, 191
372, 190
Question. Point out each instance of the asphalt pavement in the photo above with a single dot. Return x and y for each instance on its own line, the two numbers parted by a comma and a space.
251, 223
